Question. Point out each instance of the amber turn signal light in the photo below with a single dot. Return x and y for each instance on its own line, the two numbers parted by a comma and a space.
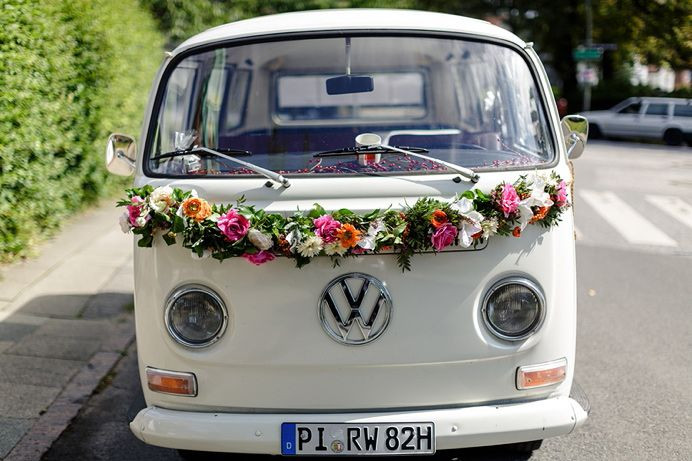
171, 382
542, 374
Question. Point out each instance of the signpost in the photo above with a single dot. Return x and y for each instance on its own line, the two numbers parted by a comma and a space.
591, 53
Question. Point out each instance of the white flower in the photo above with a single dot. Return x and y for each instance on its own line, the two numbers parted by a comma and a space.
161, 199
470, 220
260, 240
141, 221
369, 241
470, 225
293, 238
335, 249
489, 227
124, 221
310, 247
525, 214
539, 197
463, 205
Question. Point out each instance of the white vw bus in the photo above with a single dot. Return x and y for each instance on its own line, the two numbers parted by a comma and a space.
353, 236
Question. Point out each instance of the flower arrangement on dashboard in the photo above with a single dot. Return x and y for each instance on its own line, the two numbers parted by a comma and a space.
240, 230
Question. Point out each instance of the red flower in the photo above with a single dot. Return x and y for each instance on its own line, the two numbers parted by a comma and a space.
516, 232
438, 218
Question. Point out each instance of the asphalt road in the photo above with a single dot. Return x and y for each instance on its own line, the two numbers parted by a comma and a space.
634, 248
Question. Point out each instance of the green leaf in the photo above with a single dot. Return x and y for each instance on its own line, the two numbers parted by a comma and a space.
316, 211
169, 238
178, 224
482, 195
146, 241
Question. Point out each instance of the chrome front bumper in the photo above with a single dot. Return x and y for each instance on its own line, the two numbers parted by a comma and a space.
454, 428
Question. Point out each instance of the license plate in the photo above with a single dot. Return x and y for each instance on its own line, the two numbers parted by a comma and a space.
357, 439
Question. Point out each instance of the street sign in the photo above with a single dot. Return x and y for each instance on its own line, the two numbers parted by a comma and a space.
587, 54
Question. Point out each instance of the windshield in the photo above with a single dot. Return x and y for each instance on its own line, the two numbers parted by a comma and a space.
468, 103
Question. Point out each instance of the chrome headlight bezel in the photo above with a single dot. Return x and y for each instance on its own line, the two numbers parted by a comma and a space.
535, 325
191, 288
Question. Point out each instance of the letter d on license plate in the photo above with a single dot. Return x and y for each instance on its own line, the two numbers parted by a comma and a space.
357, 439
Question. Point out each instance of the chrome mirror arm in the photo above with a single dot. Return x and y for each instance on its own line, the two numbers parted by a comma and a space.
122, 156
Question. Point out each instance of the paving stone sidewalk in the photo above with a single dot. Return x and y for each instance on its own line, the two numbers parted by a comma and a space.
65, 318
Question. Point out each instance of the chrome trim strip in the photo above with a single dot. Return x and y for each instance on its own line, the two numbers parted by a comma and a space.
177, 293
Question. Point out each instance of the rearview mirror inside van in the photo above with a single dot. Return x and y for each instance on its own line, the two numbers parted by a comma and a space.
347, 84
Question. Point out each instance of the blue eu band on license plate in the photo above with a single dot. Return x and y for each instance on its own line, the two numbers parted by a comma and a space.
357, 439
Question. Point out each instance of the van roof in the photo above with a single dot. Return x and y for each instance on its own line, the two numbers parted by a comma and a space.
349, 19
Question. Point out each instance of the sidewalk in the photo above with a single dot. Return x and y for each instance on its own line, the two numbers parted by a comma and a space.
65, 319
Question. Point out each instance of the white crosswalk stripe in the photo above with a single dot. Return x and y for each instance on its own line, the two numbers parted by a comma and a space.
674, 206
631, 225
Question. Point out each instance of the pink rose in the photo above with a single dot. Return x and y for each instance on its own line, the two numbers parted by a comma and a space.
444, 236
260, 257
326, 227
561, 196
233, 225
134, 211
509, 200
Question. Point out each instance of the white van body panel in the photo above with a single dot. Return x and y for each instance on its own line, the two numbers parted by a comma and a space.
437, 361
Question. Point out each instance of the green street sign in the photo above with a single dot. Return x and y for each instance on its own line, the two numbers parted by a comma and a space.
587, 54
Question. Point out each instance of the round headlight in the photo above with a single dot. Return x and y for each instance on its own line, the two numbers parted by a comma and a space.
195, 316
514, 308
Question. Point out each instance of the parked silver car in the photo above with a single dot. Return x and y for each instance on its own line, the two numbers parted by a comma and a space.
668, 119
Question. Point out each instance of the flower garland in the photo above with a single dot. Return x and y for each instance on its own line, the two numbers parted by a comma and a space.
226, 231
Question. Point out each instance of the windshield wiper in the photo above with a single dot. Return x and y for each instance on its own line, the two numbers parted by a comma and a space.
274, 176
372, 143
183, 152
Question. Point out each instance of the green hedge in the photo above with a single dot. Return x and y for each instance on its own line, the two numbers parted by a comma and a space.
71, 71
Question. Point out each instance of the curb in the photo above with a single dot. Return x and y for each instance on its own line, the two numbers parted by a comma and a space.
69, 402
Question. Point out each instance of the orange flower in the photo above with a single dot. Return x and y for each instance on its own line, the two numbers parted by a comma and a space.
540, 214
348, 236
285, 247
516, 232
438, 218
196, 208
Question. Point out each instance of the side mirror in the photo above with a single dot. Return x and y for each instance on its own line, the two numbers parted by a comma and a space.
121, 153
575, 130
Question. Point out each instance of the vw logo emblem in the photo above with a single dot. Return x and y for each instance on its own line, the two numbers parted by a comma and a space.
355, 308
